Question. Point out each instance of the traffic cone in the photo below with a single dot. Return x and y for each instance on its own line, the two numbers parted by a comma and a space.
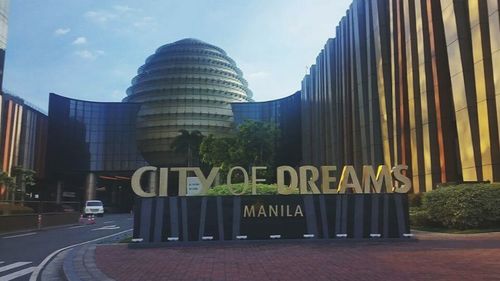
90, 219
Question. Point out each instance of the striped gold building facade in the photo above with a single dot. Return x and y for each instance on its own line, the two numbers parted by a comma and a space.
23, 138
409, 82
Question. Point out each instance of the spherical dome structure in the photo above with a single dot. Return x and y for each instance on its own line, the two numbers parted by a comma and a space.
185, 85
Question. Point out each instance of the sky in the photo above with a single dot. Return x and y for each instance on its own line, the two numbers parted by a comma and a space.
91, 49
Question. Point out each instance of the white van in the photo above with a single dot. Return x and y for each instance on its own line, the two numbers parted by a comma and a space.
93, 207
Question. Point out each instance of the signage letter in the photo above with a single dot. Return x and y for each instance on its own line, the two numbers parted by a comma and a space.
305, 182
294, 180
206, 182
383, 176
163, 189
245, 178
256, 179
136, 182
327, 179
399, 176
349, 172
182, 179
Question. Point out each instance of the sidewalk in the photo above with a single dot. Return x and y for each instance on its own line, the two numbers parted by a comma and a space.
433, 257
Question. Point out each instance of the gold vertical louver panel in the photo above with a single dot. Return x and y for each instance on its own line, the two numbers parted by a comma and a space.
379, 29
477, 16
422, 34
411, 95
412, 82
494, 102
7, 139
13, 139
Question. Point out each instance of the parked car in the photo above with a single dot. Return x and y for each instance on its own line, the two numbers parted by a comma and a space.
93, 207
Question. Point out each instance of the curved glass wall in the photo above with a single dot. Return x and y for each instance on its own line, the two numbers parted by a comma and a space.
285, 114
89, 136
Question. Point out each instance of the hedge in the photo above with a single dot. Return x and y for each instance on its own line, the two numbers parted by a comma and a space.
12, 209
462, 206
262, 189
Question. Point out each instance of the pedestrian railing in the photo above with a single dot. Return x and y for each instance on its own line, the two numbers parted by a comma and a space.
26, 215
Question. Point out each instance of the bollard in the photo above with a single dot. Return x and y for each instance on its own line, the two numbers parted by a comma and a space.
39, 222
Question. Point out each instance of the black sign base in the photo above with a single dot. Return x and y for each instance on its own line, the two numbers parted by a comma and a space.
206, 218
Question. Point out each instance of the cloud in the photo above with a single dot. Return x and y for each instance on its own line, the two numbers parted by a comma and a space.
80, 41
100, 16
117, 94
89, 55
122, 9
61, 31
259, 75
144, 22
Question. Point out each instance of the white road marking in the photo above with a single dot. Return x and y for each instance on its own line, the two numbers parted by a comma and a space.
38, 269
107, 227
17, 274
1, 262
19, 235
76, 226
14, 265
109, 221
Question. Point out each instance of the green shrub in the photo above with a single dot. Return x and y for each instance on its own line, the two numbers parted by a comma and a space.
415, 199
262, 189
420, 218
464, 206
11, 209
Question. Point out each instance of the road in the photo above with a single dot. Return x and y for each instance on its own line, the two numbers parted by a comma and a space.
21, 253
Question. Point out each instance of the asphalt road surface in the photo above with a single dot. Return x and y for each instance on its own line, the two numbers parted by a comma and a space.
21, 253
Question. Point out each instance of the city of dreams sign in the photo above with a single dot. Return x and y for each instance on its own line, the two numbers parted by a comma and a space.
374, 205
306, 180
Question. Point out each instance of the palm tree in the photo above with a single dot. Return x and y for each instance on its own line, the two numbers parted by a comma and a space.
188, 143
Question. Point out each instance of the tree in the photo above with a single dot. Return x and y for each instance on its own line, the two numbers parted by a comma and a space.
253, 145
23, 177
256, 142
188, 143
8, 182
217, 152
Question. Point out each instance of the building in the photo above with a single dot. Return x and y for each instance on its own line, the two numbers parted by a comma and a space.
23, 128
402, 82
23, 139
409, 82
92, 150
188, 84
285, 114
4, 9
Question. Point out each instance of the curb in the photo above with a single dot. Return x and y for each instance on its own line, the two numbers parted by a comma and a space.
50, 259
349, 241
79, 265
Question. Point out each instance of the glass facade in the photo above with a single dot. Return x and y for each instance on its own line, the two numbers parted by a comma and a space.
92, 136
285, 114
4, 9
92, 151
